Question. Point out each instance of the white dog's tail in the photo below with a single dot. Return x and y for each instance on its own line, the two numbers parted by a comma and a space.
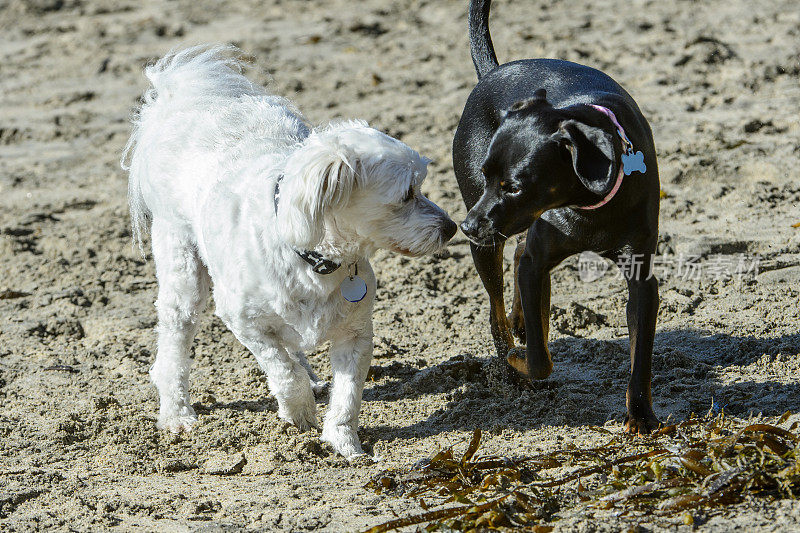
181, 80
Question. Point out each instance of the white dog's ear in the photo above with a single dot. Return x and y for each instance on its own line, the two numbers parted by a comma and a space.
319, 176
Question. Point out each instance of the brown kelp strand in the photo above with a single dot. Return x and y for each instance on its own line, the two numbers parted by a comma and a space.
700, 463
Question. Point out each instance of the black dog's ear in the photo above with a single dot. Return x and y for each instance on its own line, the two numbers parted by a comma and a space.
593, 156
539, 96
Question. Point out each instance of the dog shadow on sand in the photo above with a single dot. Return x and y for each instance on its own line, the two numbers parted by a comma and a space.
693, 371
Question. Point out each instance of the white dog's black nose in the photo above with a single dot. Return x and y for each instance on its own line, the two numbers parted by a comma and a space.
449, 229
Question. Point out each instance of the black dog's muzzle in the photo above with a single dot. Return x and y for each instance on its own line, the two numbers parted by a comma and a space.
480, 230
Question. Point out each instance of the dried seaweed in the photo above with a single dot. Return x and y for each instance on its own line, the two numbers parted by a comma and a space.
700, 463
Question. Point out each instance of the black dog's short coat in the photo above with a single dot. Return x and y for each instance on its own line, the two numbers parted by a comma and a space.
530, 151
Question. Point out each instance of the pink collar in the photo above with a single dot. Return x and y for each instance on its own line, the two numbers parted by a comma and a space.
627, 147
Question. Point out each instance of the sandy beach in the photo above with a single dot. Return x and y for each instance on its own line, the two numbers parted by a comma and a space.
79, 449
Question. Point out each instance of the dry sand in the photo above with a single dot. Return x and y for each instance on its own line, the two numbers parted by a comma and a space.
718, 81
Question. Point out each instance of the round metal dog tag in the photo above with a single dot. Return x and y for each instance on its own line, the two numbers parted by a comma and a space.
353, 289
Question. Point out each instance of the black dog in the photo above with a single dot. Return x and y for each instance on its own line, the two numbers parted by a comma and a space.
540, 147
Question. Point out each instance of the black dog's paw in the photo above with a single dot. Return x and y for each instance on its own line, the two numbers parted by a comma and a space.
503, 379
516, 359
541, 369
641, 425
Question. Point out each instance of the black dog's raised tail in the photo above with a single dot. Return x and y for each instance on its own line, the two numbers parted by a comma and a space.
480, 41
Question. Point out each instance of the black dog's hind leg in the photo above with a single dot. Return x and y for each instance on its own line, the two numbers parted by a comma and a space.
642, 312
489, 262
516, 318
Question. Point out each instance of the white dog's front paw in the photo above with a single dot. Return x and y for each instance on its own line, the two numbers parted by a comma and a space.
304, 415
344, 440
177, 420
319, 387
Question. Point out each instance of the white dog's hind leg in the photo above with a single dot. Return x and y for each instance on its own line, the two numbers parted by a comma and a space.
350, 358
317, 385
288, 381
183, 285
290, 384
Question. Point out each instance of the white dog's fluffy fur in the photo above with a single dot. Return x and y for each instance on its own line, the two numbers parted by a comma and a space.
205, 153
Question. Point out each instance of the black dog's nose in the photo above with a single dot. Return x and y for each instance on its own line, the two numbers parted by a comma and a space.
469, 227
449, 229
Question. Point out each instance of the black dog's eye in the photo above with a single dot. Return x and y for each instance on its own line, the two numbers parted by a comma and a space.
409, 195
509, 187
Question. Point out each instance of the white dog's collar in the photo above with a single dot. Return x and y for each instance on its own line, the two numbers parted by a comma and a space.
318, 263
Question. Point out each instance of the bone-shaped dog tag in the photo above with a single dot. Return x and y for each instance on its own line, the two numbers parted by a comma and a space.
633, 162
353, 289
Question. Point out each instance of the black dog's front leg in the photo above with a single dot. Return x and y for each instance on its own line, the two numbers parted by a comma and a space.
489, 262
534, 288
642, 312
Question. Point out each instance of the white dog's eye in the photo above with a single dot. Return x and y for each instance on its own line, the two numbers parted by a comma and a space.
409, 195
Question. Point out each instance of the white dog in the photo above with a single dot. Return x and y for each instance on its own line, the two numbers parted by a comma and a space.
282, 218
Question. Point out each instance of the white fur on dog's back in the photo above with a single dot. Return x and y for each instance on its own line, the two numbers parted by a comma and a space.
199, 73
202, 83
